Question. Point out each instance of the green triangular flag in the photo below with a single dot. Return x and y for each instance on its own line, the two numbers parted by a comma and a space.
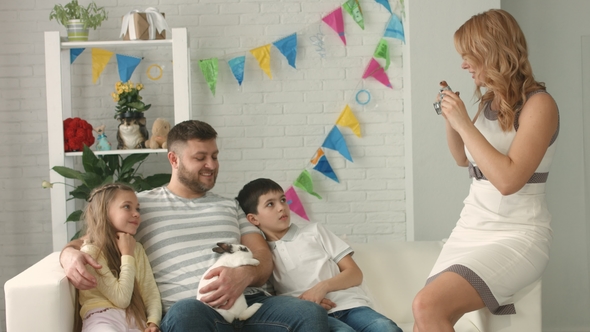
382, 51
354, 9
305, 182
210, 69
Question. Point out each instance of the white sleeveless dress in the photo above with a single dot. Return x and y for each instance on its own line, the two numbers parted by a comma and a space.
500, 243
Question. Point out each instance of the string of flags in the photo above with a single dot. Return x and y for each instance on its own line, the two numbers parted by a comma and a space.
126, 64
333, 141
287, 46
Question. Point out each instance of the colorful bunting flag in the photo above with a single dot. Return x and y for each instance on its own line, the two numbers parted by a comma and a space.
295, 203
385, 4
382, 51
100, 58
237, 67
335, 141
305, 182
347, 119
335, 21
323, 166
126, 65
395, 28
353, 8
374, 69
318, 154
210, 69
288, 47
74, 52
262, 54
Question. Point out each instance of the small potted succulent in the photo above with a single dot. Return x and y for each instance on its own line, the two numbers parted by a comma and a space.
78, 19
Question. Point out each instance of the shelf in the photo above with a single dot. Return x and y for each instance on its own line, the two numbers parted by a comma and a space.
115, 43
58, 72
125, 151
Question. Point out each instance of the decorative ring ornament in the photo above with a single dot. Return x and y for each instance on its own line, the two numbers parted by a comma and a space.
368, 97
149, 74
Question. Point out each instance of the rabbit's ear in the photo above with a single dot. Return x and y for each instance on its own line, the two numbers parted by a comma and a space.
223, 247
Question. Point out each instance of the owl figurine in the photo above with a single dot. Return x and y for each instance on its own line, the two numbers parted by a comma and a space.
102, 144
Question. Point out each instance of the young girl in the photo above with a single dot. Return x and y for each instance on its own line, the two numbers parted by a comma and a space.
126, 297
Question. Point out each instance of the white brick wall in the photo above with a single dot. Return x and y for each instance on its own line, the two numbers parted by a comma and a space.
267, 128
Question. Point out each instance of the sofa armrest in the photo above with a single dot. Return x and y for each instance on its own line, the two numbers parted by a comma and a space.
40, 298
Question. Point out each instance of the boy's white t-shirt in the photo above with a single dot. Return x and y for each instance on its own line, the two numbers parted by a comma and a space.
308, 254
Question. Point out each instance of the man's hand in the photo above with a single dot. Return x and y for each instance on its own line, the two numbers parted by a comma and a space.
74, 264
229, 285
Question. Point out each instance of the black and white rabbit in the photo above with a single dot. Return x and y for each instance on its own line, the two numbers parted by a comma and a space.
232, 255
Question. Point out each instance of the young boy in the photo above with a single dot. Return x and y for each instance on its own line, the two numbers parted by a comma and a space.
311, 262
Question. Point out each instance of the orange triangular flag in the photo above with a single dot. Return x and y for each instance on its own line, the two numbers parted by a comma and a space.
262, 54
348, 119
319, 153
100, 58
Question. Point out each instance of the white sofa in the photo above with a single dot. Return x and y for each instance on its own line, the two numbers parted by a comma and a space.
41, 298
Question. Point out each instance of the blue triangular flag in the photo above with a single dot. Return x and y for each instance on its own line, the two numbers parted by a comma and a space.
395, 28
74, 52
127, 65
288, 47
323, 166
237, 67
385, 4
335, 141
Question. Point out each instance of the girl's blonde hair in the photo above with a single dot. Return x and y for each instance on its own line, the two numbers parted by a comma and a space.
494, 43
101, 233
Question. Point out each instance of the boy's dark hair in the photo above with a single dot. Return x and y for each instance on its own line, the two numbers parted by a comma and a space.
190, 129
248, 196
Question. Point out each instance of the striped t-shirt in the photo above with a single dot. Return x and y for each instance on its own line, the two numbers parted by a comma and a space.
178, 235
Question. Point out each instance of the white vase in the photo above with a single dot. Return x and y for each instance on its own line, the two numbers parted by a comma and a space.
76, 31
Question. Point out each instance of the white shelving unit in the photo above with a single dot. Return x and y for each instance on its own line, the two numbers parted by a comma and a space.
59, 108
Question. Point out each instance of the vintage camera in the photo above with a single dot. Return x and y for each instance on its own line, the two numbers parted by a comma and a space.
444, 86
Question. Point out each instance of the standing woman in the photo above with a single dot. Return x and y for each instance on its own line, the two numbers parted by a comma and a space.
501, 242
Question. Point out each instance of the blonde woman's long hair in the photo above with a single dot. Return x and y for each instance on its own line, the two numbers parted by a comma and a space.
494, 43
101, 233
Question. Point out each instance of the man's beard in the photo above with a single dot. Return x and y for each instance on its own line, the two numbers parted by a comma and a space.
191, 180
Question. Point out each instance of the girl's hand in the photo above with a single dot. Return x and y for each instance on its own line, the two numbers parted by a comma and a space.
126, 243
152, 328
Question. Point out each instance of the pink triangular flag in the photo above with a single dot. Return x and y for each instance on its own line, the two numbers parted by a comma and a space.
335, 21
371, 68
381, 76
374, 69
295, 203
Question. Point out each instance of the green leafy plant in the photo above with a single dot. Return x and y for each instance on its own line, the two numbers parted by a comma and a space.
91, 16
106, 169
128, 100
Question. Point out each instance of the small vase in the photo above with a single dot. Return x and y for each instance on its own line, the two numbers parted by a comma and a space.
76, 31
130, 115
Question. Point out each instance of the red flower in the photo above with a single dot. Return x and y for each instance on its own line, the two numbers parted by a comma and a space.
77, 133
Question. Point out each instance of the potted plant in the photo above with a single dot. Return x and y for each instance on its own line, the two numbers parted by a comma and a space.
99, 170
78, 19
129, 104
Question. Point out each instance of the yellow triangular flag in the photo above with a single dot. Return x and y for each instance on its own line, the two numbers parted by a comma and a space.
262, 54
348, 119
100, 58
